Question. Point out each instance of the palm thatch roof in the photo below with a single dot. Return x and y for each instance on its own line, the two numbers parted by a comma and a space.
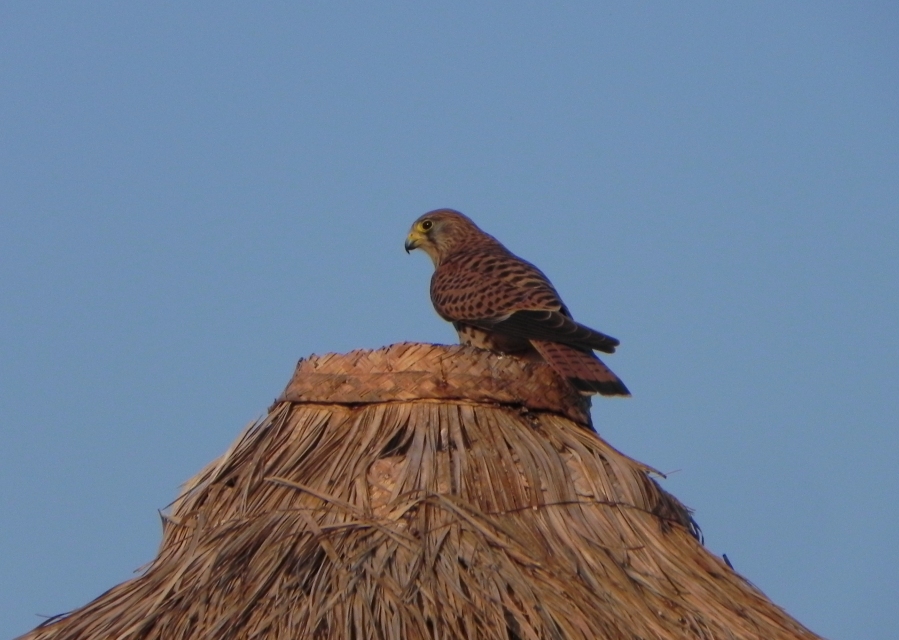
421, 491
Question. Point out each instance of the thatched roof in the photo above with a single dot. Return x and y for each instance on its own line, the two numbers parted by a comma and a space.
427, 492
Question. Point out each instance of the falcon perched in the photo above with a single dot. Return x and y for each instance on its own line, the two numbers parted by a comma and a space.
497, 301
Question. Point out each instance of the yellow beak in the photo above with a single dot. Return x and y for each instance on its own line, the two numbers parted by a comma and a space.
413, 240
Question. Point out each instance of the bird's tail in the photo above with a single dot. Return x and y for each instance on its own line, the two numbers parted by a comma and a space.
583, 369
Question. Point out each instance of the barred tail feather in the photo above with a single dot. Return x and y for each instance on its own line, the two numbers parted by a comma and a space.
583, 369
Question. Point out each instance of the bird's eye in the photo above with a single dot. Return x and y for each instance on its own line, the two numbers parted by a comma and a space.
426, 225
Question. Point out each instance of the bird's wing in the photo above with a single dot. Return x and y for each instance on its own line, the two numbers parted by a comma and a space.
548, 325
495, 290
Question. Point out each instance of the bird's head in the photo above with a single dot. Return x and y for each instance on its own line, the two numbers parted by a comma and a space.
441, 232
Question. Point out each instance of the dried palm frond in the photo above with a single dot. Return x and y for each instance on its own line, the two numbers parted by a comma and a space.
427, 492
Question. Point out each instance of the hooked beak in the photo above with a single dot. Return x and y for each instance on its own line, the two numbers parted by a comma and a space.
412, 242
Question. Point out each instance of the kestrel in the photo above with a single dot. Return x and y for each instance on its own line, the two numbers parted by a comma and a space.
498, 301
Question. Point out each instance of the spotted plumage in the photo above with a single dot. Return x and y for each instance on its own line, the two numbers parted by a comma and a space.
500, 302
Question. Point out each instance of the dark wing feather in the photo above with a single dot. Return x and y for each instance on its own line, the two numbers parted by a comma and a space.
548, 325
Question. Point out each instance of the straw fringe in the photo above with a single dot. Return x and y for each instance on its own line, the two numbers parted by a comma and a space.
427, 519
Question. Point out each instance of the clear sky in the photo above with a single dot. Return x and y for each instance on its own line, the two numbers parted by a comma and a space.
195, 195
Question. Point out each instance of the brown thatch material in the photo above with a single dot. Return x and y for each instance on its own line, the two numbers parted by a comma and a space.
427, 492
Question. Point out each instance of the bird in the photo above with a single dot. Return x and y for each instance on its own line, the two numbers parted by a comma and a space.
500, 302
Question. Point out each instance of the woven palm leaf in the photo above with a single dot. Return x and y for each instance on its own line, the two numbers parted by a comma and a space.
421, 491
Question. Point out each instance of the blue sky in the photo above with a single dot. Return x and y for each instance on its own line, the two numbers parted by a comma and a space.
195, 195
